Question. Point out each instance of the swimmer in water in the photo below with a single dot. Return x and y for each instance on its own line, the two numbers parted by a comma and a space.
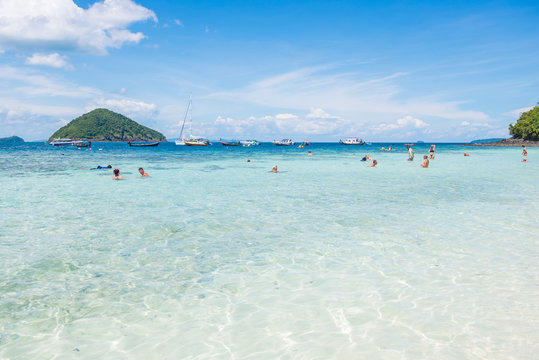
524, 153
142, 172
410, 153
426, 162
104, 167
309, 154
117, 175
374, 163
366, 158
274, 170
466, 154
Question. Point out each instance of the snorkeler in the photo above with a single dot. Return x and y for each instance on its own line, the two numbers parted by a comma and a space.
142, 172
426, 162
117, 175
99, 167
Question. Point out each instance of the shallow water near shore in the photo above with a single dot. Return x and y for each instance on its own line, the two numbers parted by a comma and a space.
216, 257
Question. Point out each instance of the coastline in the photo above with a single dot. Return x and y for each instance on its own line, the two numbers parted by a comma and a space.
511, 142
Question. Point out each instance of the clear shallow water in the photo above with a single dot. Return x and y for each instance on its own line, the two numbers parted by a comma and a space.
216, 257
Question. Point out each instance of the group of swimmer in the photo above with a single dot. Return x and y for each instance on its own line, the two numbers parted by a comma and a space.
424, 164
117, 175
426, 158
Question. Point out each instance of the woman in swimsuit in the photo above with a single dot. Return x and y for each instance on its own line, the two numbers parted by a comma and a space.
431, 151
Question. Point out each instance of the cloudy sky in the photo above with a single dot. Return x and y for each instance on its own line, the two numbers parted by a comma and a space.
318, 70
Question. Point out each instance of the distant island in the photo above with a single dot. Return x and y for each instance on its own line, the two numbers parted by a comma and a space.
106, 125
12, 140
525, 131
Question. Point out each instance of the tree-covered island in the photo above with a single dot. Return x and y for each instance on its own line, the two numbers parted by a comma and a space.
106, 125
527, 126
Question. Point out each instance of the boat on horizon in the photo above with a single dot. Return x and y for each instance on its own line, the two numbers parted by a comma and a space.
229, 143
145, 144
196, 141
192, 140
247, 143
283, 142
352, 141
82, 143
61, 142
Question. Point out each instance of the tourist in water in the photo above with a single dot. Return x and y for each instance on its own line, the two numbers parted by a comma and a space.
431, 151
374, 163
309, 154
117, 175
99, 167
366, 158
142, 172
274, 170
466, 154
524, 153
410, 153
426, 162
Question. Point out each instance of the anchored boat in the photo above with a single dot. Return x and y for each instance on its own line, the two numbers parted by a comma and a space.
352, 141
143, 144
283, 142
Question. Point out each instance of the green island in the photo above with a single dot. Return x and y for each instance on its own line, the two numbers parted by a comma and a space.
12, 140
106, 125
527, 126
524, 132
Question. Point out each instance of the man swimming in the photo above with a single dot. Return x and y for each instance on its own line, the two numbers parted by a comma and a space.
274, 170
142, 172
374, 163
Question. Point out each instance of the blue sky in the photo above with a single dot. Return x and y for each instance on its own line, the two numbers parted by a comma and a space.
317, 70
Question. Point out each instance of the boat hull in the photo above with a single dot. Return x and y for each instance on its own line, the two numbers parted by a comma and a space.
143, 145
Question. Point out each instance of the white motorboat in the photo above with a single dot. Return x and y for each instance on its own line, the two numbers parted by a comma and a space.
284, 142
352, 141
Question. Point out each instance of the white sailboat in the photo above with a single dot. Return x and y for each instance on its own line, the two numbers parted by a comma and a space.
192, 140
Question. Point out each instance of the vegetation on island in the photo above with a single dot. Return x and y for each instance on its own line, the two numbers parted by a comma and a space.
527, 126
106, 125
12, 140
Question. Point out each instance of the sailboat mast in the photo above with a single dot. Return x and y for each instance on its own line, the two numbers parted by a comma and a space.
185, 117
190, 115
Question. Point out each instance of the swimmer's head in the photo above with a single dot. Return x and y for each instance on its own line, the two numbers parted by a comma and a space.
109, 166
116, 172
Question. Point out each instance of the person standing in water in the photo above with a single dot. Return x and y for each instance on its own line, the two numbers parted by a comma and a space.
524, 153
274, 170
410, 153
426, 162
431, 151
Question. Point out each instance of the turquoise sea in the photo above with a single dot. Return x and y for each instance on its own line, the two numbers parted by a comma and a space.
215, 257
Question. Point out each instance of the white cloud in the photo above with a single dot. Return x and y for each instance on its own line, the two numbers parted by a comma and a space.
405, 122
476, 125
353, 95
317, 122
178, 22
129, 107
517, 112
52, 60
61, 24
